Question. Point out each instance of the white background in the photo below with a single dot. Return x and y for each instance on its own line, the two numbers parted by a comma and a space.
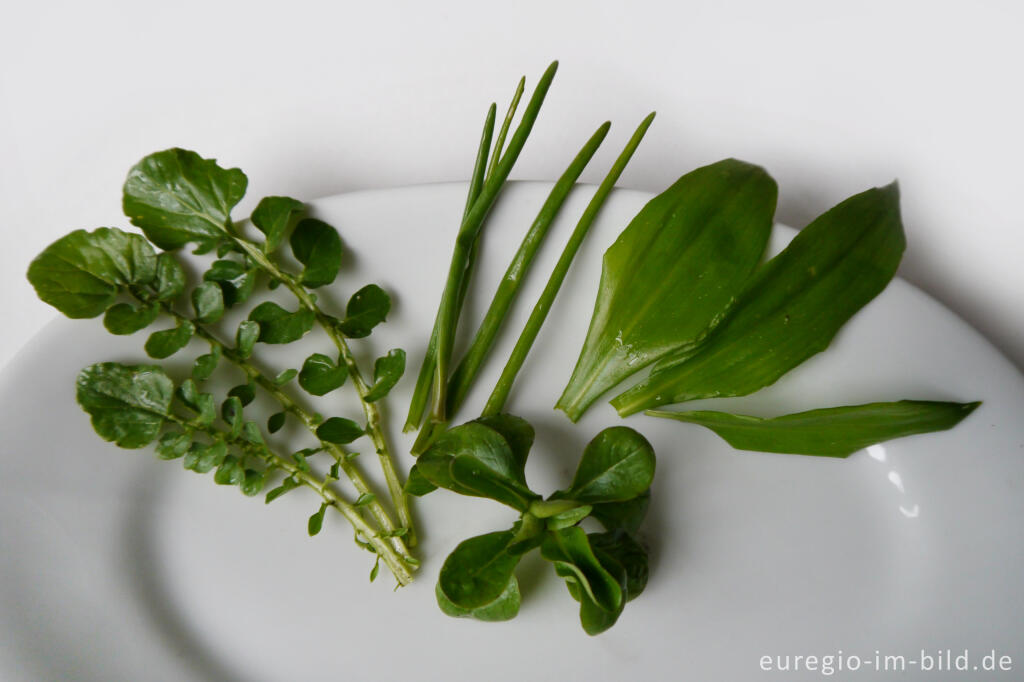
312, 99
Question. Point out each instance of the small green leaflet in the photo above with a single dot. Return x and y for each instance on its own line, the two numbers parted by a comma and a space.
320, 375
170, 278
208, 302
128, 404
123, 318
316, 521
272, 217
206, 364
367, 308
236, 282
246, 336
387, 370
316, 245
339, 430
163, 344
173, 444
829, 432
277, 325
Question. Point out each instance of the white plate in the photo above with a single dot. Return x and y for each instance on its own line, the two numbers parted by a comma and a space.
117, 566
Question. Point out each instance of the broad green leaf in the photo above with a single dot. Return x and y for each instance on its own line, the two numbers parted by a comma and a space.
82, 273
790, 309
272, 217
505, 607
621, 549
830, 432
474, 459
123, 318
173, 444
166, 343
627, 515
387, 370
236, 282
246, 337
367, 308
570, 551
208, 302
478, 571
320, 375
671, 273
205, 364
316, 245
177, 197
339, 430
277, 325
128, 404
170, 278
516, 431
617, 465
417, 484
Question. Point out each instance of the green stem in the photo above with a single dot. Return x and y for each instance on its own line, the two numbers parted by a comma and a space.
499, 143
496, 403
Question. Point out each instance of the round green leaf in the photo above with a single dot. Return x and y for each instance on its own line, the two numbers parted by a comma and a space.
246, 336
365, 310
128, 404
339, 430
617, 465
478, 571
122, 318
170, 277
320, 375
272, 217
387, 370
317, 246
166, 343
277, 325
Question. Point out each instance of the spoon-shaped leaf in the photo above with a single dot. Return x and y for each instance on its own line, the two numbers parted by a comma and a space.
830, 432
618, 464
672, 271
570, 551
790, 309
505, 607
478, 571
128, 404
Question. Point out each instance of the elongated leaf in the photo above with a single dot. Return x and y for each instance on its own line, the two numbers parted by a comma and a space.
478, 571
317, 245
128, 404
278, 325
81, 273
367, 308
671, 272
177, 197
830, 432
617, 465
163, 344
790, 309
123, 318
320, 375
570, 551
505, 607
272, 217
387, 370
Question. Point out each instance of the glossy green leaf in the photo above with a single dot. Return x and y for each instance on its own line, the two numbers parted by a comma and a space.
128, 404
618, 464
205, 364
285, 376
176, 197
123, 318
208, 302
230, 472
316, 521
277, 325
671, 272
830, 432
417, 485
570, 551
504, 607
367, 308
516, 431
620, 549
163, 344
320, 375
82, 273
316, 245
173, 444
272, 217
627, 515
790, 309
236, 282
244, 392
246, 336
286, 485
478, 571
170, 278
276, 421
204, 458
231, 412
252, 482
339, 430
387, 370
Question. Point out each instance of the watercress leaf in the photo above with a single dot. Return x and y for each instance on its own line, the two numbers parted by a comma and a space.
208, 302
275, 422
231, 412
570, 551
170, 278
163, 344
251, 433
620, 549
246, 336
316, 245
236, 282
387, 370
505, 607
671, 273
286, 485
478, 571
516, 431
230, 472
209, 456
627, 515
206, 409
81, 273
365, 310
173, 444
417, 484
277, 325
176, 197
244, 392
123, 318
285, 376
188, 393
790, 309
127, 404
829, 432
252, 482
339, 430
272, 217
320, 375
365, 500
205, 364
316, 521
618, 464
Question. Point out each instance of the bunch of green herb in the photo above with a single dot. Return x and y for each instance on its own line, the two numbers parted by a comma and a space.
177, 197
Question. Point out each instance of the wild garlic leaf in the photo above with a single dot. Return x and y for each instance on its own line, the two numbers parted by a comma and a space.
367, 308
124, 318
829, 432
170, 278
671, 273
316, 245
320, 375
478, 571
177, 197
82, 273
387, 370
618, 464
790, 309
505, 607
208, 302
128, 404
278, 325
163, 344
272, 217
246, 336
570, 551
236, 282
339, 430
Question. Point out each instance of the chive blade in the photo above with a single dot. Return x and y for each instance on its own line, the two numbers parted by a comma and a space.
499, 142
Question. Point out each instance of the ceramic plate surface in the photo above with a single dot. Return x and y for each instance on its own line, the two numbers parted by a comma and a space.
117, 566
